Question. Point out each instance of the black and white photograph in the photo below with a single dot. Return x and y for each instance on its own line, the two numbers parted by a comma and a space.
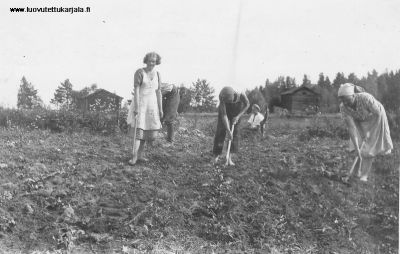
199, 126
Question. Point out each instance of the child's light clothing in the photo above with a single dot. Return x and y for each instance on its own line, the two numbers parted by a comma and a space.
255, 120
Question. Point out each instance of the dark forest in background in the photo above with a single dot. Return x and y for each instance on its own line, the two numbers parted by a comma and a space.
201, 97
384, 87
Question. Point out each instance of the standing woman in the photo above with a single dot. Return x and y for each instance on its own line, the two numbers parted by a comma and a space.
147, 105
367, 123
232, 105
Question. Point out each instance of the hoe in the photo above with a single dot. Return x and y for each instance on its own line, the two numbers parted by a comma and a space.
228, 151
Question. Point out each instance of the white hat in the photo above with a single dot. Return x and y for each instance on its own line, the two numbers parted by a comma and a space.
346, 89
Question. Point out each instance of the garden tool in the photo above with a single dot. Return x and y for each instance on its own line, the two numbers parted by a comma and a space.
134, 135
228, 151
356, 160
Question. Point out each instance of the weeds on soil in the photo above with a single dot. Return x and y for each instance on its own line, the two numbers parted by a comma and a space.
70, 190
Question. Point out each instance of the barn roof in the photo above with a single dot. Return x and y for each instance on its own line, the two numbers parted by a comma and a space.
102, 90
296, 89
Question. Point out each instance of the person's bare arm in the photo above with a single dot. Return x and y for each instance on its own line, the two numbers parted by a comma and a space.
136, 83
246, 102
136, 101
372, 107
351, 126
225, 120
159, 97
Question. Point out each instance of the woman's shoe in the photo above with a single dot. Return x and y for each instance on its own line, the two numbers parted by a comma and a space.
132, 162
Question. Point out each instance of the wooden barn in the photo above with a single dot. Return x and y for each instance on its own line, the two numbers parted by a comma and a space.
101, 101
300, 100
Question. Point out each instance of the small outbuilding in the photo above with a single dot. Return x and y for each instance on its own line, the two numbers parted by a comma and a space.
100, 100
300, 100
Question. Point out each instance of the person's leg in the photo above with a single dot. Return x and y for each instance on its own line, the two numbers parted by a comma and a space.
358, 167
170, 109
366, 168
165, 110
230, 161
140, 155
170, 132
262, 127
135, 152
235, 143
256, 134
164, 106
149, 136
219, 139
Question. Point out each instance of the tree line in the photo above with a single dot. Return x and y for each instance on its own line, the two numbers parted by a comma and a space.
201, 96
65, 97
384, 87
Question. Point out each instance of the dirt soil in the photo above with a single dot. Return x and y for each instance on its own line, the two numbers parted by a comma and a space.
75, 193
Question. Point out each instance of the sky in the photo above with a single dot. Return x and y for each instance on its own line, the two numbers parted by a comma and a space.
234, 43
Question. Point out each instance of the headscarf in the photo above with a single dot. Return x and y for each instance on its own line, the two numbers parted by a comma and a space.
346, 89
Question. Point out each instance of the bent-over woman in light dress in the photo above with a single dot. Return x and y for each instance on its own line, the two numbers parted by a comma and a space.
368, 126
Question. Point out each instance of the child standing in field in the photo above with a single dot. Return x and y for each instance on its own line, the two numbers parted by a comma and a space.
147, 105
232, 106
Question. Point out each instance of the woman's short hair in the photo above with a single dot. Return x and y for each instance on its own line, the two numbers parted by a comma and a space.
151, 54
227, 94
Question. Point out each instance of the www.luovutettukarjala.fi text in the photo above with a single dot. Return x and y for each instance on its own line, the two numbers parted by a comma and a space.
51, 9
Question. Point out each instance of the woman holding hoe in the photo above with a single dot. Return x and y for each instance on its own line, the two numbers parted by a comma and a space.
367, 123
232, 105
147, 106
